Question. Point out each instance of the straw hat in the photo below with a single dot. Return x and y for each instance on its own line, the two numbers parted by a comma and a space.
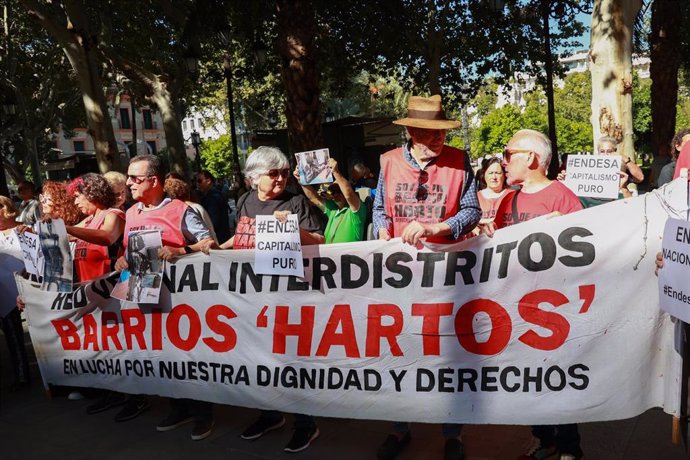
427, 113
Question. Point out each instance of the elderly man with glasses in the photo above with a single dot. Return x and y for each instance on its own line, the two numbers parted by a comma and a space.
426, 191
526, 159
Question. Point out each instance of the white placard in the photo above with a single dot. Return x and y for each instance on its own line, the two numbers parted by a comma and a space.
278, 247
31, 252
674, 290
594, 176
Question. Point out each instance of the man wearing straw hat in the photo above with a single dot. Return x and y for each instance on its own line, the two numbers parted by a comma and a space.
426, 191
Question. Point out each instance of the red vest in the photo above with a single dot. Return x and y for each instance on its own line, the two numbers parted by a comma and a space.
490, 205
92, 260
444, 187
167, 219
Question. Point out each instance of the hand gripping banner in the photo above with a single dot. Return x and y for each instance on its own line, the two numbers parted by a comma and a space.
550, 321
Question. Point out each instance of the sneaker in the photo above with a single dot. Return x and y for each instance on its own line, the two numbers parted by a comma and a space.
173, 420
537, 452
453, 450
110, 400
75, 396
202, 429
261, 427
133, 407
301, 439
392, 446
572, 457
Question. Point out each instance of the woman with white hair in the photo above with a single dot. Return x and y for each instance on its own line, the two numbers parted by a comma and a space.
268, 170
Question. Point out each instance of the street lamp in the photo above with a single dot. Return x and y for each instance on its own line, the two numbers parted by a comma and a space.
196, 142
272, 119
225, 35
330, 116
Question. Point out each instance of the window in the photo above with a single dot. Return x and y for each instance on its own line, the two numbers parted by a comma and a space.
124, 119
200, 123
184, 125
148, 120
152, 144
79, 146
191, 124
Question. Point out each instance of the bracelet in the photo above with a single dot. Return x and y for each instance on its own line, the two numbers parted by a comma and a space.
627, 161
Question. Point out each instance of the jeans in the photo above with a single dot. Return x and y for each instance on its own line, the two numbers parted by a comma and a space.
302, 422
200, 410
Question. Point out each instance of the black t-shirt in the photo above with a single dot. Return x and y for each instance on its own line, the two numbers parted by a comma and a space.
250, 206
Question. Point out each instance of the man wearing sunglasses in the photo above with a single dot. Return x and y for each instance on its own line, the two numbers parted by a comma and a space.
426, 190
182, 232
526, 159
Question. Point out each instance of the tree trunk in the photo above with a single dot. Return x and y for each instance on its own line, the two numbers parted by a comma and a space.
665, 55
172, 127
300, 76
611, 68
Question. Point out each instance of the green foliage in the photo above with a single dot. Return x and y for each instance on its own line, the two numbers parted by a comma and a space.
496, 129
216, 156
642, 114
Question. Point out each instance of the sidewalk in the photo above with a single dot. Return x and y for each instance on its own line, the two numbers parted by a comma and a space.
32, 426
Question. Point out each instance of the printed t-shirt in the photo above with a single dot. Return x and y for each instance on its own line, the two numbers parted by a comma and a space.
490, 205
250, 206
344, 225
553, 197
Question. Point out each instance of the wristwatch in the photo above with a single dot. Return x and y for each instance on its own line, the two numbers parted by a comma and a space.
188, 250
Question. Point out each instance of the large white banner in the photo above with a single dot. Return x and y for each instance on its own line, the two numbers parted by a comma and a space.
551, 321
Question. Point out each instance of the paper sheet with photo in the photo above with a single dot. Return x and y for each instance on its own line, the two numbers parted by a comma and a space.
57, 266
141, 282
313, 167
31, 252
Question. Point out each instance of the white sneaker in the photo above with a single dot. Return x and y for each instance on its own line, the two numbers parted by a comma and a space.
75, 396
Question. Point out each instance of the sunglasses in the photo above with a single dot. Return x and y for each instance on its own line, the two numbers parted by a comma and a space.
138, 179
507, 153
274, 173
422, 190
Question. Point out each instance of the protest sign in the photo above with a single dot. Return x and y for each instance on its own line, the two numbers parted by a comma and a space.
141, 282
674, 278
595, 176
31, 252
549, 322
57, 267
313, 167
278, 247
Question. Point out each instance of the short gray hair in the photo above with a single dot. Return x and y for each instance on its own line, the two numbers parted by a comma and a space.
262, 160
538, 143
607, 140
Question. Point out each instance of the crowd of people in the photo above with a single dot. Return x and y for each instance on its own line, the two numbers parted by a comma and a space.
426, 191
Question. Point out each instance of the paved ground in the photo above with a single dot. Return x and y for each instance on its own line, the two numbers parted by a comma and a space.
33, 426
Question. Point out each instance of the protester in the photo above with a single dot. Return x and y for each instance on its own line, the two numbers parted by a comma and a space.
426, 190
609, 146
363, 179
214, 203
183, 232
345, 211
11, 323
99, 235
267, 171
526, 159
176, 188
677, 144
492, 187
29, 212
118, 182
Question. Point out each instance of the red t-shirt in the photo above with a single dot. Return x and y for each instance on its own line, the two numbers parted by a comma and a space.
490, 205
553, 197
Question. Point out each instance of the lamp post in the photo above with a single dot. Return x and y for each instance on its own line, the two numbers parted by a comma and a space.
226, 38
272, 119
196, 142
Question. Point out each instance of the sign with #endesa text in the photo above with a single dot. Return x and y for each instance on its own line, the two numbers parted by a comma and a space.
674, 278
278, 247
595, 176
548, 322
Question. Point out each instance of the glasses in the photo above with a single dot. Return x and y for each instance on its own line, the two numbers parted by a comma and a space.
274, 173
422, 190
137, 179
507, 153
